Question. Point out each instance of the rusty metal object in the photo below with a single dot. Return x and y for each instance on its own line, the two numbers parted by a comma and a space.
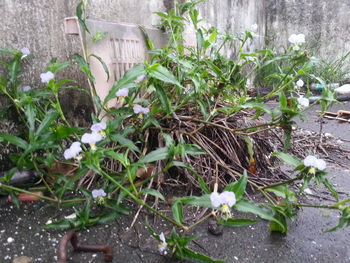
72, 237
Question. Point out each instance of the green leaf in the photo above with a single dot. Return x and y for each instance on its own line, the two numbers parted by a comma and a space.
30, 115
8, 51
330, 187
14, 140
54, 66
161, 73
177, 210
281, 226
249, 207
105, 68
163, 98
287, 158
84, 66
154, 193
62, 224
118, 157
257, 106
193, 149
234, 222
108, 217
283, 99
128, 78
239, 186
63, 132
190, 254
282, 191
344, 220
80, 12
46, 123
202, 201
98, 36
125, 142
156, 155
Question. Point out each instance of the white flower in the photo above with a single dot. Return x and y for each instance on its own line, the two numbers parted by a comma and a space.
303, 101
26, 88
254, 28
46, 77
96, 193
297, 39
91, 138
10, 240
162, 245
97, 127
124, 92
225, 198
139, 109
224, 201
312, 161
73, 151
300, 83
140, 79
25, 51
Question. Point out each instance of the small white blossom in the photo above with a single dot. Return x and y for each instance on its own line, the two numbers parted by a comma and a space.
300, 83
26, 88
97, 127
312, 161
162, 245
98, 193
297, 39
91, 138
140, 78
139, 109
25, 51
124, 92
10, 240
303, 101
47, 76
73, 151
225, 198
254, 28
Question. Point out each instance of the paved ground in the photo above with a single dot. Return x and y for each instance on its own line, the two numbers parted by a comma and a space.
304, 243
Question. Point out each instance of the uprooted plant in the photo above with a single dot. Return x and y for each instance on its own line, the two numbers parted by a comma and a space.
188, 117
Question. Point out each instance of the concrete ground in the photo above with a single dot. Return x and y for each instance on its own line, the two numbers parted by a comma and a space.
305, 241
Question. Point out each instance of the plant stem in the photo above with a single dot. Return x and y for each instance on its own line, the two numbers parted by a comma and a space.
141, 202
281, 183
9, 187
200, 220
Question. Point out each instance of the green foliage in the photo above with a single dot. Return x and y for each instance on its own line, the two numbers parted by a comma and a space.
178, 82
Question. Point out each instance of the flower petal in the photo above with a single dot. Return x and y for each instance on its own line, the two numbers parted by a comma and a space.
310, 161
162, 237
124, 92
215, 199
320, 164
228, 198
303, 101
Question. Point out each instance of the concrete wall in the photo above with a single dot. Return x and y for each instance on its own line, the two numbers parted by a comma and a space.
325, 24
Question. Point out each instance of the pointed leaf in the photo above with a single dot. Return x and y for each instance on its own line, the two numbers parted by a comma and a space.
14, 140
154, 193
156, 155
239, 186
234, 222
